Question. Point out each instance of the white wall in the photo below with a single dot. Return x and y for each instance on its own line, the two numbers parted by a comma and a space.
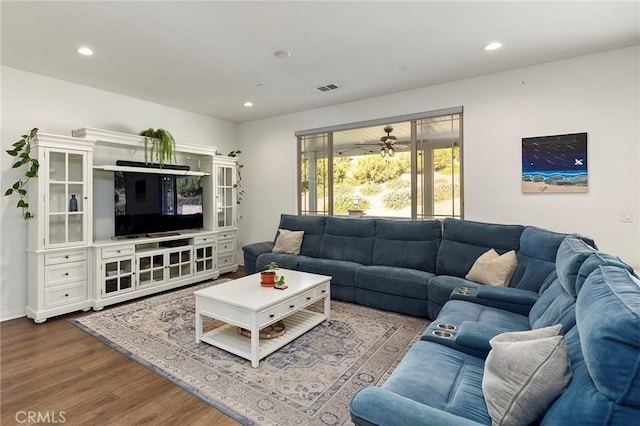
54, 106
597, 94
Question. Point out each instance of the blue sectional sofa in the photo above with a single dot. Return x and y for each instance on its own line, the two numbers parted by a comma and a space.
440, 384
407, 266
469, 366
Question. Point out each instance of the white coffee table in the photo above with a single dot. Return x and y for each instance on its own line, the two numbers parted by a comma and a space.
246, 304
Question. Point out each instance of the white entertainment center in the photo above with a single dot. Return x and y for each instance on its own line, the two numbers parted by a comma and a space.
69, 270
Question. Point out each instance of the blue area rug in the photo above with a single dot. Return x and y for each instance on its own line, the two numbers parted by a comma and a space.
308, 382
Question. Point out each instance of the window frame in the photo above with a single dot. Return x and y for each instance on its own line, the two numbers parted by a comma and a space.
413, 120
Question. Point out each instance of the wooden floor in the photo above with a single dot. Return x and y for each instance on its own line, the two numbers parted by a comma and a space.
60, 373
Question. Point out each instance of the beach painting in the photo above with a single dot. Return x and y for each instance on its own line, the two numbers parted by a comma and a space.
554, 164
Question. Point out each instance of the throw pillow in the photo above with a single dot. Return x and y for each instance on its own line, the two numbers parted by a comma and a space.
523, 374
493, 269
288, 241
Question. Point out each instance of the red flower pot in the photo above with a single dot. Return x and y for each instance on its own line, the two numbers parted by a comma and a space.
267, 278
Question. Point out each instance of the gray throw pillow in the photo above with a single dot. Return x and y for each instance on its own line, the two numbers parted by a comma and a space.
288, 241
523, 374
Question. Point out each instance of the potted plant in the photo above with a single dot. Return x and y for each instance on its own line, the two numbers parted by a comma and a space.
280, 285
268, 276
159, 145
22, 150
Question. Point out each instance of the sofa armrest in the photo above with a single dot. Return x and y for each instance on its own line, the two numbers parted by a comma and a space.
510, 299
476, 335
251, 253
378, 406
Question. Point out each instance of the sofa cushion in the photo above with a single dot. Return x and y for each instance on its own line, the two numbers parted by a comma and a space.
604, 354
493, 269
393, 289
523, 374
536, 257
288, 241
593, 262
463, 241
554, 306
342, 275
572, 253
348, 239
608, 315
395, 281
409, 244
313, 227
442, 378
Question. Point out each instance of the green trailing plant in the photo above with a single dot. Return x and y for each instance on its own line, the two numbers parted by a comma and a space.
238, 185
22, 150
159, 146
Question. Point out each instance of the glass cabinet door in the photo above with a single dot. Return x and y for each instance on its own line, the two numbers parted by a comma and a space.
118, 276
225, 203
204, 258
66, 218
151, 268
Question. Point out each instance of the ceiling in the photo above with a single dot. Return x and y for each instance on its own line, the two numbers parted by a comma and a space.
210, 57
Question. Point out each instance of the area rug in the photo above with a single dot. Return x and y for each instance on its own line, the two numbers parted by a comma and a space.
308, 382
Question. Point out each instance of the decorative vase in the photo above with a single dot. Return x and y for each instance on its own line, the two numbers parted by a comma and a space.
267, 278
73, 203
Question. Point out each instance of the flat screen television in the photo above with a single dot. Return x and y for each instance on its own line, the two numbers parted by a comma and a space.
152, 203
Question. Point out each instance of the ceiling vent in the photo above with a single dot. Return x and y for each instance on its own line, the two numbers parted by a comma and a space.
327, 87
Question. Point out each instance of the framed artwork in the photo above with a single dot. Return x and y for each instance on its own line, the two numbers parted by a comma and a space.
554, 164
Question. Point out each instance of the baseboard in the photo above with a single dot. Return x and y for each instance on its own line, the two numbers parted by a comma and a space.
6, 316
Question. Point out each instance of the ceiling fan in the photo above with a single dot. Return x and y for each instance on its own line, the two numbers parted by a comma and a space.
388, 143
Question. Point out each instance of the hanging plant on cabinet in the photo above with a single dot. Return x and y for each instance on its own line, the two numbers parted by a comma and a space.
238, 184
22, 150
159, 145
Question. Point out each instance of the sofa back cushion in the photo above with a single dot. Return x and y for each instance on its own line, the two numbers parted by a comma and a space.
608, 314
313, 227
349, 239
407, 243
596, 260
604, 353
572, 253
463, 241
536, 257
556, 304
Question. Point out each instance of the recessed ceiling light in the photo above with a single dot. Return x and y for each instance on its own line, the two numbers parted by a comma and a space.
85, 51
282, 54
248, 104
493, 46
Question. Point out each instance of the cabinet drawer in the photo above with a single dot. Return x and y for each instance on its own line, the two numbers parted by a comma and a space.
204, 239
60, 296
118, 251
321, 291
226, 246
227, 235
65, 257
225, 260
306, 298
269, 315
65, 273
289, 306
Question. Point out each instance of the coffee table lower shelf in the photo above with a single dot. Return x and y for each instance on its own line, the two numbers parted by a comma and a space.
227, 337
